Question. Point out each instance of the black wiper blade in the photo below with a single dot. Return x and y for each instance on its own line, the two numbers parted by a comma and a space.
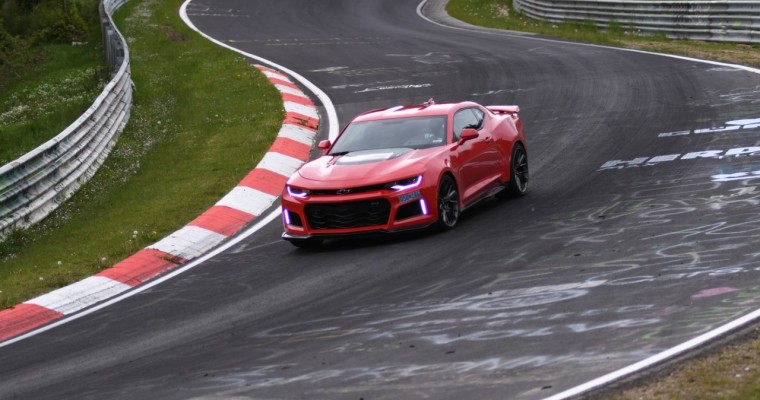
340, 153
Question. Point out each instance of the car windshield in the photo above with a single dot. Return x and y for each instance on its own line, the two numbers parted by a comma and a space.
415, 133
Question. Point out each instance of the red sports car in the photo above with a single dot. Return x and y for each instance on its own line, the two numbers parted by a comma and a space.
406, 167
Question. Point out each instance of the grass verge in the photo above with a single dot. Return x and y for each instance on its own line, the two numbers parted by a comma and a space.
500, 14
202, 117
733, 372
52, 93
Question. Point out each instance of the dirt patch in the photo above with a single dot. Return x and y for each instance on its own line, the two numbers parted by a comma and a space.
173, 35
501, 10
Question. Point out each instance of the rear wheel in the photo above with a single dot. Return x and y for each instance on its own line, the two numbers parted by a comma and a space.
448, 203
518, 173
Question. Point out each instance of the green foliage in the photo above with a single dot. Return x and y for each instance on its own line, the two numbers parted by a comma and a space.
47, 21
14, 56
44, 87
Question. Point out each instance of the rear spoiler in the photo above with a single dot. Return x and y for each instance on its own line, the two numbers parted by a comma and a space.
509, 110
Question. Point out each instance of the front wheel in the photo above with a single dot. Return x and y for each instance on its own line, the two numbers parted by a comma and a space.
448, 203
518, 173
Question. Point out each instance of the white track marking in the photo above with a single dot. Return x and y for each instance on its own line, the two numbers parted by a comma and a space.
79, 295
247, 199
189, 242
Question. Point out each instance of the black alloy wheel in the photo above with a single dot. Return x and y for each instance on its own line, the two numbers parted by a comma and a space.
518, 173
448, 203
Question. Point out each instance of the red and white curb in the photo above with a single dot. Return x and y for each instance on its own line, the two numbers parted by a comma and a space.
247, 201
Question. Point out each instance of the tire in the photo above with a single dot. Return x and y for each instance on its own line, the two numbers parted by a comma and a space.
305, 243
518, 173
448, 203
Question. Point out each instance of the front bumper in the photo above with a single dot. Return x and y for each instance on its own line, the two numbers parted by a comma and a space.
327, 216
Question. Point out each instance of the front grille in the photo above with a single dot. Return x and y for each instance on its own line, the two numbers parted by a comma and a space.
354, 190
354, 214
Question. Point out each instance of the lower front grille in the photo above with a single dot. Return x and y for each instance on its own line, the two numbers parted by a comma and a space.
356, 214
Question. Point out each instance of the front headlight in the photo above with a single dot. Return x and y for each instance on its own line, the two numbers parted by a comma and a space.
405, 184
297, 192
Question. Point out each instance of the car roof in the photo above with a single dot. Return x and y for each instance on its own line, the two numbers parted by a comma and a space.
412, 110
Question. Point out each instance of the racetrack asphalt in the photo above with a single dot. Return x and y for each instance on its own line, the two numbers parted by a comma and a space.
639, 233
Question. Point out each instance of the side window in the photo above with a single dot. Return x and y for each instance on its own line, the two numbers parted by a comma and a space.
467, 118
479, 114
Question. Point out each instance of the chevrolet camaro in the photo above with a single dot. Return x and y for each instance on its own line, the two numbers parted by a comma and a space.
406, 167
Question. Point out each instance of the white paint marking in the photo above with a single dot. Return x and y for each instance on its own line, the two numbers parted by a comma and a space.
329, 69
737, 176
276, 75
249, 200
280, 163
79, 295
309, 111
189, 242
290, 90
394, 87
297, 133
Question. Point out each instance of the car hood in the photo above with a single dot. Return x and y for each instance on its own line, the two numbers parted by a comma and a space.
368, 166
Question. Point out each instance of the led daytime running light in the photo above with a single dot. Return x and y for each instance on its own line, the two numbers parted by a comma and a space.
298, 194
417, 181
286, 216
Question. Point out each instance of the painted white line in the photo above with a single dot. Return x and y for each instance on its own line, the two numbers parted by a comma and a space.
189, 242
279, 163
79, 295
139, 289
658, 358
332, 116
309, 111
247, 199
297, 133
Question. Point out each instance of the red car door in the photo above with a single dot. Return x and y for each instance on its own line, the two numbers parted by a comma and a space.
477, 159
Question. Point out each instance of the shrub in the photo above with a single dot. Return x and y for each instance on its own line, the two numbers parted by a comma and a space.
14, 56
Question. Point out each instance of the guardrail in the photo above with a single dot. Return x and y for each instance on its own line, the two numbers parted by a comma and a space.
35, 184
722, 21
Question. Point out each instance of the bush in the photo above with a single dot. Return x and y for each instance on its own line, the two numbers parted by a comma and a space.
46, 21
15, 56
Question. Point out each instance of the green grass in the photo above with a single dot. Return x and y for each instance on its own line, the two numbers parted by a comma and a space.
51, 94
202, 117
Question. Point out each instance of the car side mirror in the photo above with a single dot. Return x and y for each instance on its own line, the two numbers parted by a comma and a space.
468, 134
324, 145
